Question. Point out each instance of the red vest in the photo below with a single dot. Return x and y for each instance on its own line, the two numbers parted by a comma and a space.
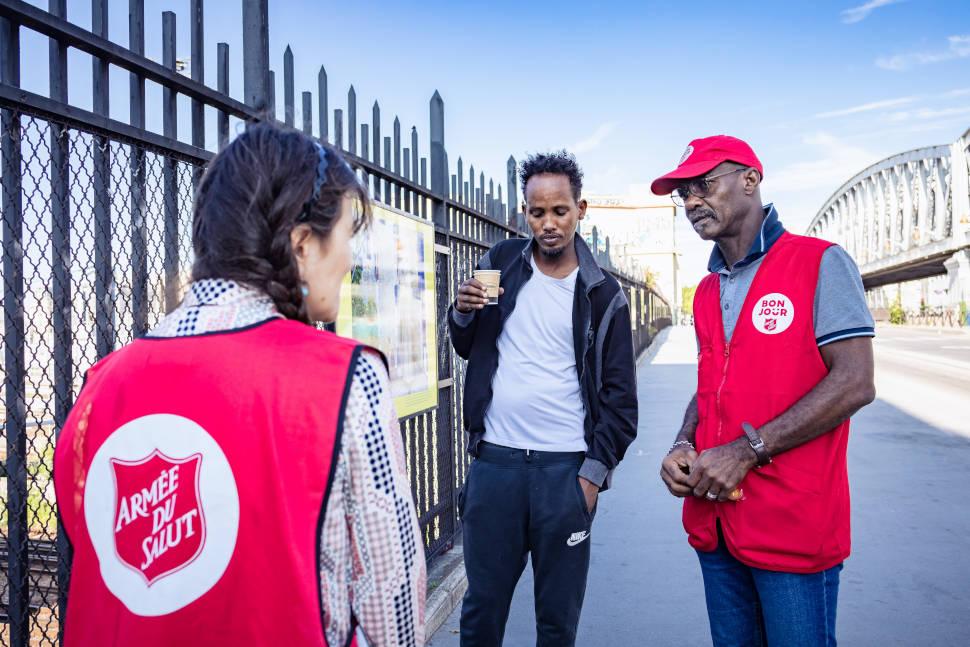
192, 477
794, 516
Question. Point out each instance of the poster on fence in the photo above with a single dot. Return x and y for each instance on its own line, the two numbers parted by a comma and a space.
388, 302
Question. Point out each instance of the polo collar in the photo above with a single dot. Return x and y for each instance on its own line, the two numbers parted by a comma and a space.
771, 231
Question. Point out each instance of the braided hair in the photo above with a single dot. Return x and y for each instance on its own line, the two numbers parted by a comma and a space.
250, 198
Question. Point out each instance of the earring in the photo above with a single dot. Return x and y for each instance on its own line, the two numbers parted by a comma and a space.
304, 290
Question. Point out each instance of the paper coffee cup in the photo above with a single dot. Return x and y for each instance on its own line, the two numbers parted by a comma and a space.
490, 279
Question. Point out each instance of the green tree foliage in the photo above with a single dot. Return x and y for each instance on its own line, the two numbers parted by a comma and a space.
687, 300
896, 313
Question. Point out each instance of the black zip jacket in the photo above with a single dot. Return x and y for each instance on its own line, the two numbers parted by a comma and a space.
602, 339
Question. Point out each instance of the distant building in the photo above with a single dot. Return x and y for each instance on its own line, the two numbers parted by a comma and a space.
640, 228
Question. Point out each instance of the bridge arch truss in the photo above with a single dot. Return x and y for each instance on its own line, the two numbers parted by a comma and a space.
904, 217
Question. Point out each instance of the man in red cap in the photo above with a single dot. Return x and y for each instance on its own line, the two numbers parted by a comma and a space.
785, 358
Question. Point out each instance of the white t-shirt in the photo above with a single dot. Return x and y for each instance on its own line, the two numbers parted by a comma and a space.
536, 401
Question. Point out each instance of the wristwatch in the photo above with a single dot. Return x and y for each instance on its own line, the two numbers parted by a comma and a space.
757, 444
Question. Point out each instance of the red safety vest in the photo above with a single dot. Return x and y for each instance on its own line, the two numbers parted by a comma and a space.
192, 477
794, 516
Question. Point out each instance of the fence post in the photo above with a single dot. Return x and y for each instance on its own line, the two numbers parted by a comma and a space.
289, 93
376, 134
352, 121
198, 75
365, 151
414, 153
407, 176
271, 96
439, 167
387, 166
139, 233
414, 166
323, 109
61, 282
104, 287
223, 119
512, 187
490, 200
256, 53
13, 342
397, 160
338, 128
308, 113
481, 191
169, 181
439, 186
424, 183
459, 180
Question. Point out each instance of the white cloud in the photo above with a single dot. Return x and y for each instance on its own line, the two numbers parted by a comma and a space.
594, 140
835, 161
860, 13
885, 104
962, 92
957, 47
928, 114
866, 107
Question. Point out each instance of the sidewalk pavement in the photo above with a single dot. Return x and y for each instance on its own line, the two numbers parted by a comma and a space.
943, 330
904, 585
644, 584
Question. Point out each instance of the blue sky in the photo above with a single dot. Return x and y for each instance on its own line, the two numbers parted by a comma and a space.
819, 89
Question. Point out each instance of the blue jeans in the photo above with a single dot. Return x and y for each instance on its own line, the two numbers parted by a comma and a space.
752, 607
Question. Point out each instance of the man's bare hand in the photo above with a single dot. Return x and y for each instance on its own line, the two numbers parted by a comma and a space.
675, 471
472, 296
719, 470
590, 491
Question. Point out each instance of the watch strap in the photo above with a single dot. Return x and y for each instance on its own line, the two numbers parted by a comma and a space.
757, 443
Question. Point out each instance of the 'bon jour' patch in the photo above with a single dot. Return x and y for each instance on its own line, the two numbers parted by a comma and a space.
773, 313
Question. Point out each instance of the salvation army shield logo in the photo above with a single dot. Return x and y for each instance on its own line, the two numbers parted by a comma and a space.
687, 153
159, 520
773, 313
162, 511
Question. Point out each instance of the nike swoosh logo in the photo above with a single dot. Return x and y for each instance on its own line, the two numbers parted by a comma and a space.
577, 538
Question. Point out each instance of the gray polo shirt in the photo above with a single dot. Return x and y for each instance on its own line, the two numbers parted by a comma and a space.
840, 299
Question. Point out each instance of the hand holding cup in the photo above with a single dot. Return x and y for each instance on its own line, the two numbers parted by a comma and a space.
474, 292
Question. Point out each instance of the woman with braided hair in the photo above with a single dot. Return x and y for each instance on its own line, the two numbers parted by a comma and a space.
237, 476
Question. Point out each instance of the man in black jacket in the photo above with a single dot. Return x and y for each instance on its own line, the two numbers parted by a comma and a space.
550, 406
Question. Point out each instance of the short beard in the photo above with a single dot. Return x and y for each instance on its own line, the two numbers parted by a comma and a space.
552, 253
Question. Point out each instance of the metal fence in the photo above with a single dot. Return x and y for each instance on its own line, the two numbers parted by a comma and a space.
96, 249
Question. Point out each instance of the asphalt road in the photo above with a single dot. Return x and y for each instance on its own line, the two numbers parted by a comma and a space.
908, 580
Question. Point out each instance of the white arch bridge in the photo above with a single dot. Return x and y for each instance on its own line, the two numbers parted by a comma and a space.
906, 217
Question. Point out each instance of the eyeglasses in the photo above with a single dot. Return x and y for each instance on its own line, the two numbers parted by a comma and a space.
700, 187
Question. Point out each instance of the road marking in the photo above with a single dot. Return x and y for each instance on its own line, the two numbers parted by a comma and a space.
927, 359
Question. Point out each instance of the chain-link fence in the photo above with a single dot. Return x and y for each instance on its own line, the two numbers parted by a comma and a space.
102, 251
97, 248
103, 248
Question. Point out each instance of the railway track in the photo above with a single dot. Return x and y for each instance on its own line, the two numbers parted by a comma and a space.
42, 562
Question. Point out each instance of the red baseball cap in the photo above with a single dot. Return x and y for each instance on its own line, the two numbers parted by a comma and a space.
704, 154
